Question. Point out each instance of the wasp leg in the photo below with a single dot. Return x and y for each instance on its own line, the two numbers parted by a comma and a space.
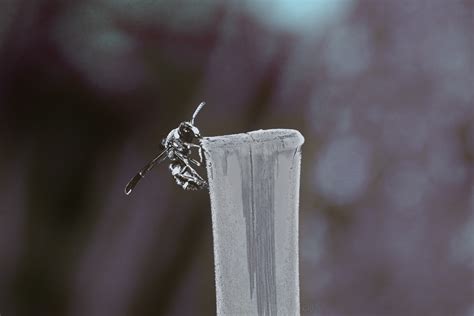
186, 177
197, 163
199, 152
191, 169
184, 159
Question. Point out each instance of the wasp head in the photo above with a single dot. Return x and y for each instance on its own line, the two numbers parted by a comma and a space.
188, 132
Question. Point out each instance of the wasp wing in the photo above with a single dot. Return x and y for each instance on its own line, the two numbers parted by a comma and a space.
140, 175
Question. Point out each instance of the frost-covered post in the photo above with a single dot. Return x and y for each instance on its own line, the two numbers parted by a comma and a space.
254, 187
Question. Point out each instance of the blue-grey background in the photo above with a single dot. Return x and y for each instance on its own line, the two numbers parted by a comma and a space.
383, 91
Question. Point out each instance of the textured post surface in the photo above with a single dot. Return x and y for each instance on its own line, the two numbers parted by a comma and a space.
254, 188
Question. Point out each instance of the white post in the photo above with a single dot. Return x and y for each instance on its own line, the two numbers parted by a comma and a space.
254, 187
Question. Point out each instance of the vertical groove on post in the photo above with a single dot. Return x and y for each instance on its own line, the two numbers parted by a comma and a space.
254, 188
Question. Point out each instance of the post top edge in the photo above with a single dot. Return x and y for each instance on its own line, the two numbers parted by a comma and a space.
289, 136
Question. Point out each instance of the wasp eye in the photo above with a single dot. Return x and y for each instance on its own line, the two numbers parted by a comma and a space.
186, 133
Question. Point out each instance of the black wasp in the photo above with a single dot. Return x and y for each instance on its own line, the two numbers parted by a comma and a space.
177, 148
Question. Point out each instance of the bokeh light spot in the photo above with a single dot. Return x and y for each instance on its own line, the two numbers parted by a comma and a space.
343, 171
300, 16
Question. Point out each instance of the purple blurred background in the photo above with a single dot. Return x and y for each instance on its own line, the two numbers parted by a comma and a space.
383, 91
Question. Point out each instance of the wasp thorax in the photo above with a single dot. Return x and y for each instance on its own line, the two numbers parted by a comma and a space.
188, 132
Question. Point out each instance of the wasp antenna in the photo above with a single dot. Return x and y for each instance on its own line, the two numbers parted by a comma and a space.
197, 111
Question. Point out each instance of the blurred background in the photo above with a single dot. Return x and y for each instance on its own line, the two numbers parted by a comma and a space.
382, 90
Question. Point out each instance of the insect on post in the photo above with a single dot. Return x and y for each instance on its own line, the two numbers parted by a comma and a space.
254, 181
